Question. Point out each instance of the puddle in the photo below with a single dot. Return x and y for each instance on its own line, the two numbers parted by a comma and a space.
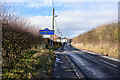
57, 60
61, 66
57, 76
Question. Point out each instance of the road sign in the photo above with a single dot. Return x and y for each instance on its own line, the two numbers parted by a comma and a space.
46, 31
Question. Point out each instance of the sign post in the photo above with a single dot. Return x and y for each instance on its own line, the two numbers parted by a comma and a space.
46, 31
50, 43
42, 42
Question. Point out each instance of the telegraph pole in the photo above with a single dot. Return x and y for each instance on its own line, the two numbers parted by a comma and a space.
53, 18
42, 42
53, 23
61, 37
58, 32
58, 37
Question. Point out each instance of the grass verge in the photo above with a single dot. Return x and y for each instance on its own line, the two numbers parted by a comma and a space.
34, 64
107, 50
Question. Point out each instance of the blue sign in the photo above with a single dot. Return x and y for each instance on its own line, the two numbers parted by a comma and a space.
46, 31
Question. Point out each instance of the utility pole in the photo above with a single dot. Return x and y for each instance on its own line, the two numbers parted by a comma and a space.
50, 43
58, 32
0, 29
58, 37
61, 37
53, 23
42, 42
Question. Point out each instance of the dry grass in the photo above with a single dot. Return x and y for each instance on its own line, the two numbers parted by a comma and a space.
100, 49
18, 40
102, 40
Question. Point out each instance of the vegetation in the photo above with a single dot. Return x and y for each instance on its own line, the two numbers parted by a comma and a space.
21, 53
34, 64
103, 40
16, 38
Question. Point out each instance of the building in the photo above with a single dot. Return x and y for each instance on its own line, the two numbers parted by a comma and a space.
55, 38
64, 40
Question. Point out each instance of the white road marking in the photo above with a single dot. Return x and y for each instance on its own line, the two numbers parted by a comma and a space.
74, 69
77, 59
108, 63
90, 56
111, 58
90, 52
102, 56
85, 66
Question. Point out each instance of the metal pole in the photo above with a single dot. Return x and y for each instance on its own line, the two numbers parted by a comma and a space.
1, 38
58, 37
50, 43
58, 32
42, 42
61, 37
53, 25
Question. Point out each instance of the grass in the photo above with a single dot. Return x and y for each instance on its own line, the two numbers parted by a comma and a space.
103, 40
100, 49
22, 57
34, 64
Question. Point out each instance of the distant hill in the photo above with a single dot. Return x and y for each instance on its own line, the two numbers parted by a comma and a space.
103, 40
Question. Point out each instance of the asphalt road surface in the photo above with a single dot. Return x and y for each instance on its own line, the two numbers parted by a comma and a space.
93, 66
62, 68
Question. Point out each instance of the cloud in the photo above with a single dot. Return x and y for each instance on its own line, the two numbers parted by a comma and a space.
78, 18
43, 4
60, 0
41, 22
39, 5
73, 23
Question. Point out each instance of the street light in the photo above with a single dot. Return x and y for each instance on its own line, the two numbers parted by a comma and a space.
56, 16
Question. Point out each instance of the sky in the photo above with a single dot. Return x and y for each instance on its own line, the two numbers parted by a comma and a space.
74, 16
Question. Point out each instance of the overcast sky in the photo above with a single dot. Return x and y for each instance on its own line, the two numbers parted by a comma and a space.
74, 16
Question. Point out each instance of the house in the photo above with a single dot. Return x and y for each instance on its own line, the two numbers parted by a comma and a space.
55, 38
64, 40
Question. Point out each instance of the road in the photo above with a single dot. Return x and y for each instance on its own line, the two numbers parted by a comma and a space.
62, 68
93, 66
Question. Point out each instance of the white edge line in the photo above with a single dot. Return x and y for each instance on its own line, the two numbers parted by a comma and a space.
108, 63
102, 56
